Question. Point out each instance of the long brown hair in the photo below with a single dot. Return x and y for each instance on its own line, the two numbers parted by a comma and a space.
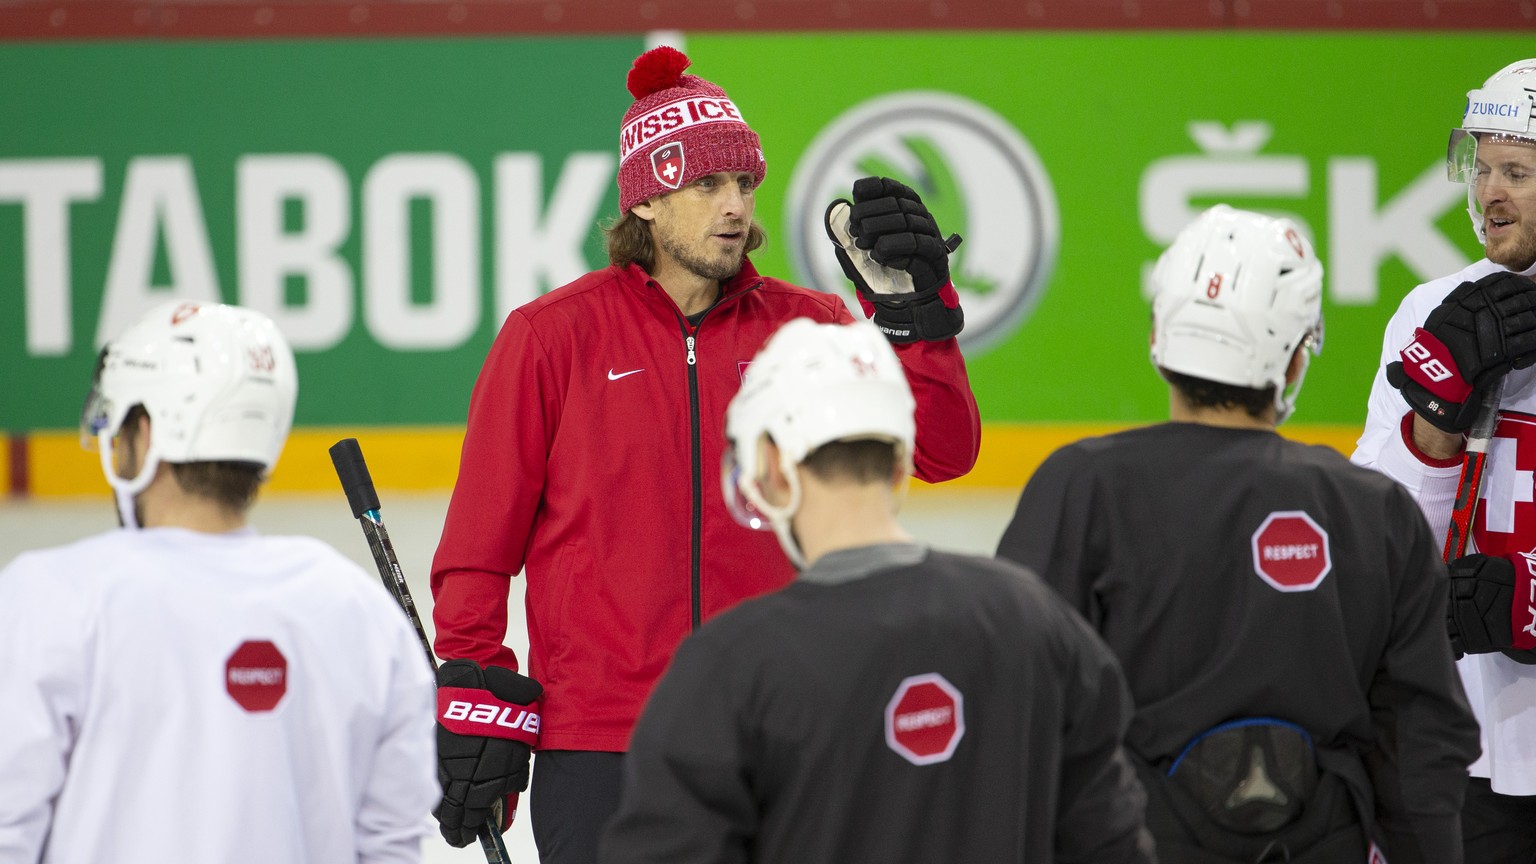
629, 241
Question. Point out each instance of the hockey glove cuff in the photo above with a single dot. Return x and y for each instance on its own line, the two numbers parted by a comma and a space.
1479, 332
488, 724
1432, 385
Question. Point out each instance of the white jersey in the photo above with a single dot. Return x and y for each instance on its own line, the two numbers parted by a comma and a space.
1501, 691
169, 695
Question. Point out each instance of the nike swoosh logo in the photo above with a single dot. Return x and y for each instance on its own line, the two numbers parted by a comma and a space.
613, 377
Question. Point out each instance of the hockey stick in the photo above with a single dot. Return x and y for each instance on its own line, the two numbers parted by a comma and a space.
1465, 505
347, 456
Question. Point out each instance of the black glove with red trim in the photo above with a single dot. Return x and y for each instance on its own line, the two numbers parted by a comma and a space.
1478, 611
892, 251
1469, 342
487, 726
1492, 607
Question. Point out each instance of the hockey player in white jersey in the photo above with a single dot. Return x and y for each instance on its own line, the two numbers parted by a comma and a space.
1451, 341
184, 689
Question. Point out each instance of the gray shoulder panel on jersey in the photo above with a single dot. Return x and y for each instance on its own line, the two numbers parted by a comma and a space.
846, 565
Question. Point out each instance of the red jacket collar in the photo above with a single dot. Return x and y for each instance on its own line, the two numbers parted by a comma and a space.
745, 279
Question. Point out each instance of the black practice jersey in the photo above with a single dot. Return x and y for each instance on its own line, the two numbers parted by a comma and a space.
1237, 574
891, 705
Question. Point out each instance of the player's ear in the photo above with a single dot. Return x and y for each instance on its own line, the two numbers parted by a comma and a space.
645, 210
775, 484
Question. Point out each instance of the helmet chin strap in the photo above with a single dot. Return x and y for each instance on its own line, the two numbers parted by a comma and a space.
1285, 395
1475, 210
779, 517
126, 489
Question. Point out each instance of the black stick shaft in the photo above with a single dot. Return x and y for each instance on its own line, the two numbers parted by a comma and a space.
347, 456
389, 570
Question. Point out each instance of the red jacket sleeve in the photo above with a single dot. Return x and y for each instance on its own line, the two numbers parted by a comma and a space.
948, 423
512, 417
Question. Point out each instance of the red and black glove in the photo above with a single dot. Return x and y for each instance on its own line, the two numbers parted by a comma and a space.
487, 726
892, 251
1479, 332
1492, 607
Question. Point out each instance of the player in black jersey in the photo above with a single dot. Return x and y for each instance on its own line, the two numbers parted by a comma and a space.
1279, 612
894, 703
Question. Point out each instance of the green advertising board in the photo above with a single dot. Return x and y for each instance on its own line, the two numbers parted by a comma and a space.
388, 201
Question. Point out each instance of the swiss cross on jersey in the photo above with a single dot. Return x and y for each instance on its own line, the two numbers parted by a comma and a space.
1290, 551
1505, 522
925, 719
667, 163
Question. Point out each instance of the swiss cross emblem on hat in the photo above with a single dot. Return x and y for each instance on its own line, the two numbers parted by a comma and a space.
256, 675
925, 719
1290, 551
667, 162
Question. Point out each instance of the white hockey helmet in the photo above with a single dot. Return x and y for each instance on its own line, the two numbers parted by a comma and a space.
812, 384
218, 383
1237, 294
1502, 110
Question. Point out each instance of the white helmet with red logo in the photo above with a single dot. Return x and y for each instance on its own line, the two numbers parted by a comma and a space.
1237, 294
1503, 110
218, 383
812, 384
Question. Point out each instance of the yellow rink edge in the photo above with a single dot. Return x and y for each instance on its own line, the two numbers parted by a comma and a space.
51, 463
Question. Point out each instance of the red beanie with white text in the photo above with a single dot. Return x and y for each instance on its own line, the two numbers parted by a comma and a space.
680, 128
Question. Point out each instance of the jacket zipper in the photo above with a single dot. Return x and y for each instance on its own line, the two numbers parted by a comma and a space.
690, 340
698, 486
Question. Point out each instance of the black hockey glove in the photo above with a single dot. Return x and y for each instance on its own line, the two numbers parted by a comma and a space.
1472, 339
1478, 611
892, 251
487, 725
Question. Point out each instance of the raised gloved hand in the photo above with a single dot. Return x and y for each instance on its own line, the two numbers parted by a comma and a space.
890, 248
487, 726
1469, 342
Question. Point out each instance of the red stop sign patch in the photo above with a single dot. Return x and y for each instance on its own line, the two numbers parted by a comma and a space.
1290, 551
925, 720
256, 675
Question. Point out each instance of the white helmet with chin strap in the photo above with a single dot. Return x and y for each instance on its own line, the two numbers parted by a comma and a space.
218, 383
1503, 110
1237, 294
812, 384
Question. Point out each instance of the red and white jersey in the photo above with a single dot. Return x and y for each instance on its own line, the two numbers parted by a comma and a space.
1501, 691
169, 695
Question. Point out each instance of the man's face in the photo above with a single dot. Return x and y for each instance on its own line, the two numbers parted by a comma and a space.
1506, 192
702, 227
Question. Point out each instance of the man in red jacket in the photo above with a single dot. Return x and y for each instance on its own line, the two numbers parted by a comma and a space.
595, 436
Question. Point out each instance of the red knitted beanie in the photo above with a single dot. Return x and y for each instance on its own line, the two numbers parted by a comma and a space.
680, 128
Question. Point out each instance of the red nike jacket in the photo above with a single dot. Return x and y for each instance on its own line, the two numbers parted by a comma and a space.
592, 462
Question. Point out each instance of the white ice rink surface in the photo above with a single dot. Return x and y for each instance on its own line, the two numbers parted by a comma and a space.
953, 519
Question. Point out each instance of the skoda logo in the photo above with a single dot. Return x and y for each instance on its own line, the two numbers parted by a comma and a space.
976, 174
